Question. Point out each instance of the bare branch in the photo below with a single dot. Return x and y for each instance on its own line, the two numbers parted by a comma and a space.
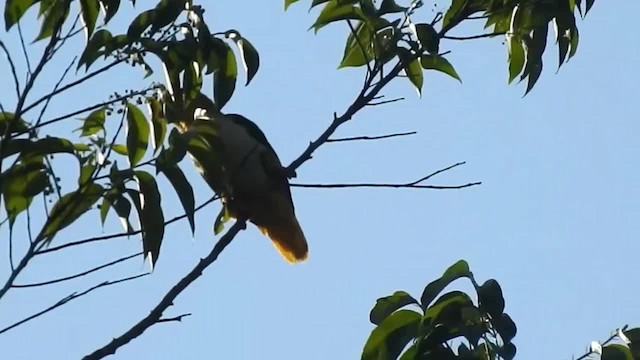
122, 234
14, 72
69, 298
385, 102
24, 49
84, 273
355, 138
175, 318
156, 313
481, 36
411, 185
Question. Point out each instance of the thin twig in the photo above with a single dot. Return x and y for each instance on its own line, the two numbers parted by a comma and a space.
355, 138
75, 276
472, 37
69, 298
175, 318
122, 234
14, 72
156, 313
384, 102
24, 49
374, 185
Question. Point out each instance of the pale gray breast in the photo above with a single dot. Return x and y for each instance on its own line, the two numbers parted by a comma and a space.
242, 158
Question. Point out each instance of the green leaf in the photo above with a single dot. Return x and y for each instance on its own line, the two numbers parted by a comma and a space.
516, 56
505, 327
151, 216
44, 146
121, 149
289, 2
250, 58
448, 308
414, 73
456, 8
111, 8
158, 121
86, 171
19, 184
439, 63
94, 122
589, 5
166, 12
137, 134
140, 24
224, 80
428, 37
13, 11
490, 298
359, 48
335, 11
535, 49
16, 126
389, 338
616, 352
221, 219
122, 207
387, 305
70, 207
89, 12
54, 17
183, 189
92, 51
104, 209
458, 270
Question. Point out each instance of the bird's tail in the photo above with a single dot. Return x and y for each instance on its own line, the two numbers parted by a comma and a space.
287, 236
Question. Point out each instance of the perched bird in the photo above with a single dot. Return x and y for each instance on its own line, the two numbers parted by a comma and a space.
246, 172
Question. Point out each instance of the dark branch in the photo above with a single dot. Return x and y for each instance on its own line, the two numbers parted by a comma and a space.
68, 299
155, 315
84, 273
175, 318
14, 72
481, 36
384, 102
355, 138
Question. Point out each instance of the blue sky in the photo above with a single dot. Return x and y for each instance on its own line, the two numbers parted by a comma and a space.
555, 220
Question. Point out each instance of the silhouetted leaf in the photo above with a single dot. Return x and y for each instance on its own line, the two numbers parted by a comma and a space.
616, 352
70, 207
111, 8
507, 351
589, 5
19, 184
447, 309
183, 189
392, 335
428, 37
224, 81
221, 219
455, 271
166, 12
151, 216
137, 134
453, 12
439, 63
92, 50
387, 305
289, 2
89, 12
390, 7
505, 327
634, 336
44, 146
140, 24
490, 298
94, 122
250, 58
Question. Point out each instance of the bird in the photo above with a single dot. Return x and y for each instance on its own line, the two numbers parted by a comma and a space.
238, 163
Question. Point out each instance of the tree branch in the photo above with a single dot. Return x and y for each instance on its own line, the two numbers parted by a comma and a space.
472, 37
84, 273
175, 318
155, 315
69, 298
14, 72
355, 138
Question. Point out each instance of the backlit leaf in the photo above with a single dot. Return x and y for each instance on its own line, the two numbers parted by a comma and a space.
458, 270
387, 305
151, 216
137, 134
439, 63
70, 207
184, 190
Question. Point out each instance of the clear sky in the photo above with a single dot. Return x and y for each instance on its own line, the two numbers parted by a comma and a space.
555, 220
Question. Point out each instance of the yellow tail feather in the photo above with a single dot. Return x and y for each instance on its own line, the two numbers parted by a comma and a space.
288, 238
